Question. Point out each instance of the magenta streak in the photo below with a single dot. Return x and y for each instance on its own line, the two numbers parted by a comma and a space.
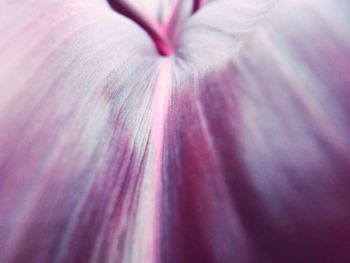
154, 30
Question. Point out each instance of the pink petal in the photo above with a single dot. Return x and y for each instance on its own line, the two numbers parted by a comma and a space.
76, 117
258, 159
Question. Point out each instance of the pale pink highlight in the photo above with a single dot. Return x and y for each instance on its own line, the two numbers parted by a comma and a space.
160, 105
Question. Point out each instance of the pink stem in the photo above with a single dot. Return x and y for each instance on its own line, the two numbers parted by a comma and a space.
154, 30
197, 4
173, 19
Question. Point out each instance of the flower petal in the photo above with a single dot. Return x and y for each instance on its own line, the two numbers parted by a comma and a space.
77, 110
257, 159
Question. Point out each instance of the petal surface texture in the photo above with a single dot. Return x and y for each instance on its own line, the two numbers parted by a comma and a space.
235, 149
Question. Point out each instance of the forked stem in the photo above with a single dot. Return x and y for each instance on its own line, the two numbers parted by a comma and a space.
154, 30
159, 33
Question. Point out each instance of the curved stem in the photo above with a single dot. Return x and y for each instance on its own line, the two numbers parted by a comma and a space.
154, 29
197, 4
